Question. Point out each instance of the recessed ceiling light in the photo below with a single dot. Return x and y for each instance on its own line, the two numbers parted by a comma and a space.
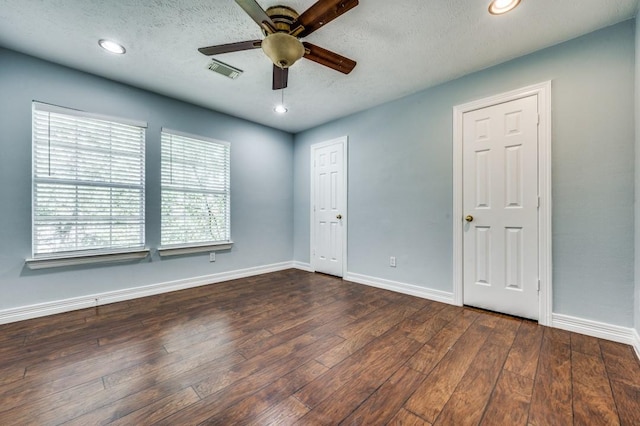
498, 7
112, 46
280, 109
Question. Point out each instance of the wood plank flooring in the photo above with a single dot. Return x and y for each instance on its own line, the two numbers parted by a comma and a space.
298, 348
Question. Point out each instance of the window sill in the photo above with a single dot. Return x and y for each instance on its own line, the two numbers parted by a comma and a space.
44, 262
189, 249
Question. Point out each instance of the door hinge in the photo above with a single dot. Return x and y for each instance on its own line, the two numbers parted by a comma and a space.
538, 201
538, 119
538, 285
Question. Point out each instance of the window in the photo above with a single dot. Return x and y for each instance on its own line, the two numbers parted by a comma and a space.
195, 190
88, 183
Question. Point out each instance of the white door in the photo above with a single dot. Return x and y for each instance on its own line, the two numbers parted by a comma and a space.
328, 206
500, 204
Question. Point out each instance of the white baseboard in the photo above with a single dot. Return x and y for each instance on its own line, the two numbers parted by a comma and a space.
302, 266
43, 309
89, 301
410, 289
601, 330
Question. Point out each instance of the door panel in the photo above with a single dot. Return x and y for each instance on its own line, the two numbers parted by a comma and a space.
483, 179
328, 208
500, 193
483, 255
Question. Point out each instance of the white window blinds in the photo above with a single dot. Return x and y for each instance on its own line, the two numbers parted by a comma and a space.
88, 182
195, 189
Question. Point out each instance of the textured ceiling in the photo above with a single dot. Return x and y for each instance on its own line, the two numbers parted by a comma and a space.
401, 47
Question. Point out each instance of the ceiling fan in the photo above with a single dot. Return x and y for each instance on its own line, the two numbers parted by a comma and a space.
283, 28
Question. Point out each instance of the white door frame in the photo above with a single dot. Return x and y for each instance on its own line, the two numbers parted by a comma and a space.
543, 91
345, 215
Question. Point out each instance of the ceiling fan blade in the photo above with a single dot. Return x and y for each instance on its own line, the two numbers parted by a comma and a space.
280, 77
231, 47
328, 58
321, 13
258, 14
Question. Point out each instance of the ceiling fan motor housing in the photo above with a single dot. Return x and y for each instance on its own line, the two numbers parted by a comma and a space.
283, 17
282, 48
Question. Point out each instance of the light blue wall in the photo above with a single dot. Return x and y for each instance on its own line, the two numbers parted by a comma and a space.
400, 175
400, 178
261, 183
637, 175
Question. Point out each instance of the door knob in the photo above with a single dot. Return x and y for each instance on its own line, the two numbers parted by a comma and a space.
339, 217
469, 218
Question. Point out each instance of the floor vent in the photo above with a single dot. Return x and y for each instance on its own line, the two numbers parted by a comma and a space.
224, 69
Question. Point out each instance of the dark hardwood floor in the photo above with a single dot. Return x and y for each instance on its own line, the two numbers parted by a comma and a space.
298, 348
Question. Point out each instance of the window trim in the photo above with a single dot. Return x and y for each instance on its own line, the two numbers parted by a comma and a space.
180, 249
80, 257
84, 257
41, 106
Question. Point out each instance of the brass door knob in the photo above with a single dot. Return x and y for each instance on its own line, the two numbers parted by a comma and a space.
339, 217
469, 218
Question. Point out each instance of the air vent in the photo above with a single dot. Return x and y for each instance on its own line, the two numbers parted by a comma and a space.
224, 69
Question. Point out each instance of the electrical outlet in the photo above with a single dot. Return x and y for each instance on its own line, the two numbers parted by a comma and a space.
212, 256
392, 261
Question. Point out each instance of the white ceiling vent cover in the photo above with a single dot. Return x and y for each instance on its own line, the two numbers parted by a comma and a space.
224, 69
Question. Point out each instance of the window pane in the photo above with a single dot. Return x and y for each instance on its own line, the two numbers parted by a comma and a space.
88, 184
195, 190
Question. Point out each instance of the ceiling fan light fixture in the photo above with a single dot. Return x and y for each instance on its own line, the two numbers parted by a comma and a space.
499, 7
283, 49
112, 46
